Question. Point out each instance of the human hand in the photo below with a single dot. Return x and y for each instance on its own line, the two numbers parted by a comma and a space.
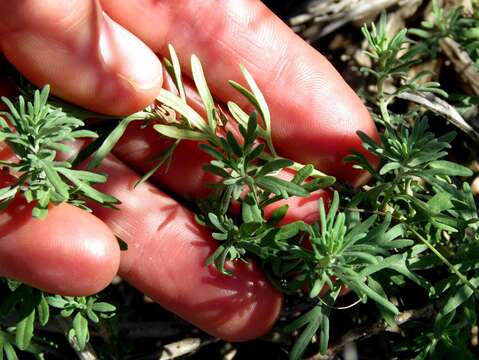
92, 61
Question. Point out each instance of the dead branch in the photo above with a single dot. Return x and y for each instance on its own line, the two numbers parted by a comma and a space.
362, 333
324, 17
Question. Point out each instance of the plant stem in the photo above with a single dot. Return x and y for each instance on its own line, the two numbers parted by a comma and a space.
269, 142
443, 259
432, 248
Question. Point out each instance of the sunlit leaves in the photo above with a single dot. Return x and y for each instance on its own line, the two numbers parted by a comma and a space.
39, 130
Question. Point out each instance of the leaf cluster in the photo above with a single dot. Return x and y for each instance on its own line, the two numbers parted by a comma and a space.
453, 24
253, 184
25, 309
393, 56
36, 128
81, 310
340, 250
36, 131
420, 188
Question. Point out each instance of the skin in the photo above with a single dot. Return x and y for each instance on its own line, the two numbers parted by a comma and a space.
101, 55
81, 249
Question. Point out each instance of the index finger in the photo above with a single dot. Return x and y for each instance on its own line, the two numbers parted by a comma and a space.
315, 113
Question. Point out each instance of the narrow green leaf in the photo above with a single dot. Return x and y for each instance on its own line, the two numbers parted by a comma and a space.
303, 320
212, 151
290, 230
8, 192
260, 100
234, 144
250, 210
171, 100
163, 159
203, 91
92, 316
10, 351
278, 214
389, 167
459, 297
103, 307
256, 98
313, 321
24, 331
362, 289
303, 173
180, 134
451, 168
316, 288
238, 114
177, 72
440, 202
217, 170
57, 301
387, 315
43, 311
84, 134
80, 326
280, 186
60, 187
113, 138
88, 190
274, 165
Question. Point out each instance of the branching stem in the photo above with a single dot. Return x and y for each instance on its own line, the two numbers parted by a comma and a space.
436, 252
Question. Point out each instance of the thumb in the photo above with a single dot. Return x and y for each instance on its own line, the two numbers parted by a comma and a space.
84, 55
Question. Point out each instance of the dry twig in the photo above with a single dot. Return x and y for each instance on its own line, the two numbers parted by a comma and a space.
324, 17
434, 103
86, 354
183, 347
362, 333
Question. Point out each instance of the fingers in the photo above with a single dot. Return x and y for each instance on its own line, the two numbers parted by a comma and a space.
314, 112
165, 260
85, 56
71, 252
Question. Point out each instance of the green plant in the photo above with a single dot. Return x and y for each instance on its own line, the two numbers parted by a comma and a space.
413, 193
40, 130
427, 194
416, 218
452, 24
28, 308
35, 131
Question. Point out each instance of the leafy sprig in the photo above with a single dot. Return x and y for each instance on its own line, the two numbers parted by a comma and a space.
34, 308
81, 310
247, 172
449, 23
35, 131
254, 185
393, 57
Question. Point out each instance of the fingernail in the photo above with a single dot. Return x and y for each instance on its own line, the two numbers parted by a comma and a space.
127, 56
